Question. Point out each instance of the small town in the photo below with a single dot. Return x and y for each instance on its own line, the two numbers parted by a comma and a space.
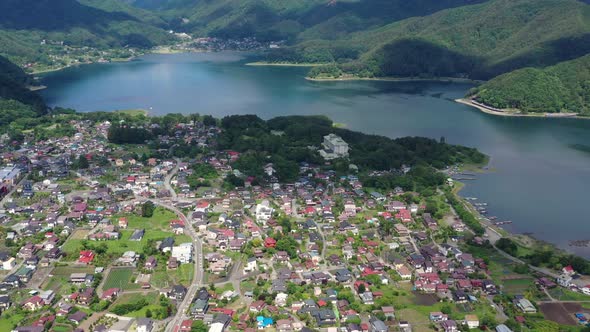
99, 234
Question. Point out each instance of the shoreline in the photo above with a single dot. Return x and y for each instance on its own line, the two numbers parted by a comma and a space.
396, 79
486, 110
283, 64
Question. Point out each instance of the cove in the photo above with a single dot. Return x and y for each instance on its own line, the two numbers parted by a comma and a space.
540, 167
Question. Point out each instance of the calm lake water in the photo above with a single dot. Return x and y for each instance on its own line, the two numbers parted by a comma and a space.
540, 178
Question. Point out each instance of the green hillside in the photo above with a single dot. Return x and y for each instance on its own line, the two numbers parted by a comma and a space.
564, 87
478, 41
24, 24
291, 20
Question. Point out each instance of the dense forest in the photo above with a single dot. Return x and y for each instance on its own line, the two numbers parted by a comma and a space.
16, 100
285, 141
564, 87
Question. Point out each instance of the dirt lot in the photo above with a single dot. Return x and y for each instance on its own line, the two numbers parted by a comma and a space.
425, 299
561, 313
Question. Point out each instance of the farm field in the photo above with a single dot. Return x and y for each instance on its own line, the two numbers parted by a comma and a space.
120, 278
517, 286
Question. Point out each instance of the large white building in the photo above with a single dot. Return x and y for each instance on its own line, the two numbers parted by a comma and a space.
263, 212
183, 252
334, 147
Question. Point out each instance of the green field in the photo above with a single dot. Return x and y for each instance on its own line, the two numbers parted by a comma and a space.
163, 278
120, 278
151, 297
8, 323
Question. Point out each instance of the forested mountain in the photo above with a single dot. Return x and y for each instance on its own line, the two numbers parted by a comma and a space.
292, 20
564, 87
478, 41
24, 24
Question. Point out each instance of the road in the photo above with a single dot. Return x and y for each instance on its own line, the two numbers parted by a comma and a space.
198, 274
169, 177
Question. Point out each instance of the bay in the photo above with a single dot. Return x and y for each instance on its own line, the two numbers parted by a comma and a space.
540, 174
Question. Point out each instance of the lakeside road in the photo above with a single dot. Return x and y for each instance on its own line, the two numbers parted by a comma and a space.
394, 79
484, 109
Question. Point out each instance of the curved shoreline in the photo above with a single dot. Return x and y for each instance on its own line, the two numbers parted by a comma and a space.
283, 64
396, 79
520, 115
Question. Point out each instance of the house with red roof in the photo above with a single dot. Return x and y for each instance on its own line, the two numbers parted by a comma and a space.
269, 242
404, 215
186, 325
86, 256
569, 270
110, 294
34, 303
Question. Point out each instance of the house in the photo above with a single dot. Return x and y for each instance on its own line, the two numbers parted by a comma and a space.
525, 305
472, 321
5, 302
137, 235
437, 316
269, 242
151, 263
178, 292
251, 265
166, 245
86, 257
77, 317
564, 280
568, 270
503, 328
81, 278
110, 294
8, 263
449, 326
34, 303
377, 325
183, 252
144, 325
284, 325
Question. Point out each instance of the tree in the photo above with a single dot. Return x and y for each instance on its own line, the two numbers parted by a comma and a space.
148, 313
199, 326
361, 289
82, 162
147, 209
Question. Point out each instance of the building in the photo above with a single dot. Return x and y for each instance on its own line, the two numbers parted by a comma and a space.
9, 175
334, 147
472, 321
377, 326
503, 328
525, 305
144, 325
183, 252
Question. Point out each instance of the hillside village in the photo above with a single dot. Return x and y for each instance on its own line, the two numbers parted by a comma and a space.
98, 236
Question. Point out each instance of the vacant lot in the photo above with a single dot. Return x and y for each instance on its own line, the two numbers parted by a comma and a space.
418, 320
561, 313
424, 299
79, 234
119, 278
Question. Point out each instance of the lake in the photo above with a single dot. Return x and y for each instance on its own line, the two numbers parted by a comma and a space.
540, 167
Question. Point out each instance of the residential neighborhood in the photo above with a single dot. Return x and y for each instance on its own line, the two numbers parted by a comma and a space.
98, 236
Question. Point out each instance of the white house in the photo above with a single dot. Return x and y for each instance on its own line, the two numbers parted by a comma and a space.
263, 212
9, 264
183, 252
